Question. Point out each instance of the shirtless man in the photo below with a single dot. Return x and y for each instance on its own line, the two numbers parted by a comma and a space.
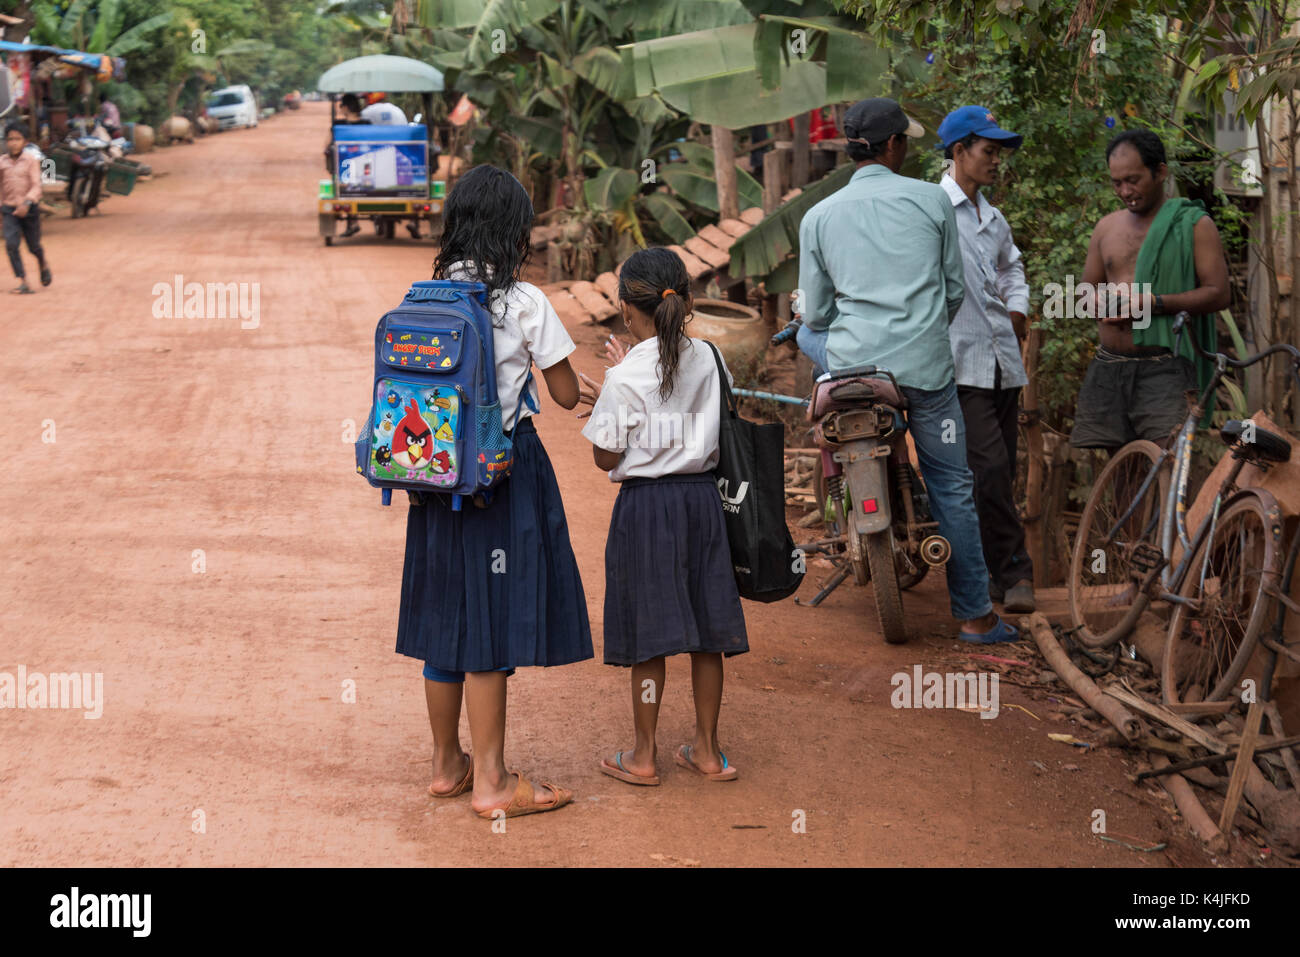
1135, 386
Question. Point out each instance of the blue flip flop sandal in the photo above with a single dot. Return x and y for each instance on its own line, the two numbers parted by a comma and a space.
998, 634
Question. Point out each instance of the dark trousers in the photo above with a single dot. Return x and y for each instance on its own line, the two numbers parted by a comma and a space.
15, 229
991, 439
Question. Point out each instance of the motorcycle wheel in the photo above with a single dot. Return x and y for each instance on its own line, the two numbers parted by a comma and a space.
879, 547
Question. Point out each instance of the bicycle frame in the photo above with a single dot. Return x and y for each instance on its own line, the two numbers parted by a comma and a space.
1172, 517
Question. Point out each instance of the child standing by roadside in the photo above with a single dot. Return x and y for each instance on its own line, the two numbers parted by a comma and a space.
669, 584
20, 198
486, 590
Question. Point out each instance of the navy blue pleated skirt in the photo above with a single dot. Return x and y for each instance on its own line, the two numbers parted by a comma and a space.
669, 584
496, 587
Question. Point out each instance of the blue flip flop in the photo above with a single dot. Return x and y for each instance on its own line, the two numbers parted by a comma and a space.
999, 633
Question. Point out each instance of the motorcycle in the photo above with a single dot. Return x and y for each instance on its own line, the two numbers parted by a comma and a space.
88, 165
869, 490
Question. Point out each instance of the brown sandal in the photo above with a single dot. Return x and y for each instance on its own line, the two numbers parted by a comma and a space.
462, 786
522, 802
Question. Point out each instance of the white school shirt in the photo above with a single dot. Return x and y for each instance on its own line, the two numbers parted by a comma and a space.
678, 436
525, 329
982, 335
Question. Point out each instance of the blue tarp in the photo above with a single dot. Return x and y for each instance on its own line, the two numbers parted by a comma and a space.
87, 61
380, 133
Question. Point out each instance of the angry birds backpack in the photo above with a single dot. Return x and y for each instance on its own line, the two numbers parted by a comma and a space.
435, 423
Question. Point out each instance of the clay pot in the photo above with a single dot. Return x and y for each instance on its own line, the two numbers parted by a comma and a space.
176, 128
141, 138
736, 329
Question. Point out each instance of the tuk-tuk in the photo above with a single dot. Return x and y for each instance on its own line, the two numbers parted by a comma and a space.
381, 172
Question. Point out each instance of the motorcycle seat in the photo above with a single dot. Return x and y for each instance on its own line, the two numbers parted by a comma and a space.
857, 391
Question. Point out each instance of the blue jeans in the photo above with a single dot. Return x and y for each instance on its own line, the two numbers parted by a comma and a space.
933, 416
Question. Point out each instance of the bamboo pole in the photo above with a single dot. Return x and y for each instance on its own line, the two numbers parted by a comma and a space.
1123, 720
1034, 477
1190, 808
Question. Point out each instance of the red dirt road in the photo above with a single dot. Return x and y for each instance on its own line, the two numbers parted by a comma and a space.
224, 687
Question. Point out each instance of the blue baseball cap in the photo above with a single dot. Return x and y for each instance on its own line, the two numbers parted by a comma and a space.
965, 120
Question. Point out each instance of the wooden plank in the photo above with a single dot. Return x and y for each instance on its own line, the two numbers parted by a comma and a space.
1166, 717
695, 268
607, 283
593, 301
1245, 760
716, 237
568, 308
734, 227
754, 215
711, 254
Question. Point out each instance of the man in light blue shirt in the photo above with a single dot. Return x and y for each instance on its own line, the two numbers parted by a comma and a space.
986, 337
880, 279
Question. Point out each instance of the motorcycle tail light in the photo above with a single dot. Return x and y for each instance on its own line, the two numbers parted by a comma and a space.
869, 506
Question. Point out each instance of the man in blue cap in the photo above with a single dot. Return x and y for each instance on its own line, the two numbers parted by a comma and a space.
880, 279
985, 338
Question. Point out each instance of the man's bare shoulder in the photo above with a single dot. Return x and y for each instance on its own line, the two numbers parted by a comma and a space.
1107, 224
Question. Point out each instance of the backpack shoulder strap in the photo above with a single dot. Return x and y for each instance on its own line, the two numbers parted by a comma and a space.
728, 403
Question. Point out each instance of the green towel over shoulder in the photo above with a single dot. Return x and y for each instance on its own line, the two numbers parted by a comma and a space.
1166, 260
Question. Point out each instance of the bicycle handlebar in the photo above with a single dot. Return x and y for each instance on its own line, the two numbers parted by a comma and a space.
1180, 326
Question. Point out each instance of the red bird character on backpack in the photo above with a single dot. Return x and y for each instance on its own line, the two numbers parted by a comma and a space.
412, 439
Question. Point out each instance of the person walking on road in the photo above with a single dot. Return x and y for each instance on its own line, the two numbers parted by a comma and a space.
20, 197
986, 334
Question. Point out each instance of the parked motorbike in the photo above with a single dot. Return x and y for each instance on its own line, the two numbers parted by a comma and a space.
882, 530
88, 164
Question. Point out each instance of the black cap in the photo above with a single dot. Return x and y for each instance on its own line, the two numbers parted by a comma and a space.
871, 122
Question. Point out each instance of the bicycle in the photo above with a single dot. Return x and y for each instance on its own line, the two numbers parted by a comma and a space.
1226, 572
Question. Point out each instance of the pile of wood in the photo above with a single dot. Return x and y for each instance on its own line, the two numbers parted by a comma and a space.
1246, 774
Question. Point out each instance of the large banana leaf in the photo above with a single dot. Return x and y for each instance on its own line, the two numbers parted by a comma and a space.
712, 76
663, 18
700, 158
611, 188
667, 212
139, 36
765, 247
467, 14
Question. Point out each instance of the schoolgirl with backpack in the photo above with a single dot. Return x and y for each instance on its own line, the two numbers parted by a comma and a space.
490, 582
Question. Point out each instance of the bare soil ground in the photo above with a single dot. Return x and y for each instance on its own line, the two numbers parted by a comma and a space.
224, 688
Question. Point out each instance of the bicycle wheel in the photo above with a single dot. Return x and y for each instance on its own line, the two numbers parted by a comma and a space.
1104, 598
1209, 645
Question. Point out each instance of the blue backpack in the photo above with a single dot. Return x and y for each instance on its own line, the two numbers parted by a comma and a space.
435, 425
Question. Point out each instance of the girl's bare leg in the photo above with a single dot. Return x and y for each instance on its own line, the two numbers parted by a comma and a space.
485, 704
706, 685
443, 701
647, 694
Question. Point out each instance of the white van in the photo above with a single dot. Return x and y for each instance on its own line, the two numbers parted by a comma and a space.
233, 106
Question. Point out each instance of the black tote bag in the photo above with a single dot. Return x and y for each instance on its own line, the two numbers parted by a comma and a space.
751, 480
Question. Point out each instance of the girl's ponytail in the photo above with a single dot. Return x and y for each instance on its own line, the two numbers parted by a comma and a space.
654, 280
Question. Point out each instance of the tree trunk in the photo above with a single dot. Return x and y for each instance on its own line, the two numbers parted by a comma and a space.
1034, 476
1288, 330
724, 168
801, 153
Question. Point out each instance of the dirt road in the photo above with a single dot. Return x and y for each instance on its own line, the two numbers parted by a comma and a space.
196, 533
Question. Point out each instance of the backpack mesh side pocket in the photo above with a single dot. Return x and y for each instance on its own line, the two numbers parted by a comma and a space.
495, 450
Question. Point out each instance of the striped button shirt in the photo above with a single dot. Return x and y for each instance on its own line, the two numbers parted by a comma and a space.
982, 335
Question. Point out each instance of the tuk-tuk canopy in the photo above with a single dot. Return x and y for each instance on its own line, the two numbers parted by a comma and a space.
381, 74
103, 66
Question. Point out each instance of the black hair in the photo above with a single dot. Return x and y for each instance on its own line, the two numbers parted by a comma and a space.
654, 280
967, 141
103, 97
351, 102
487, 224
858, 152
17, 126
1149, 146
